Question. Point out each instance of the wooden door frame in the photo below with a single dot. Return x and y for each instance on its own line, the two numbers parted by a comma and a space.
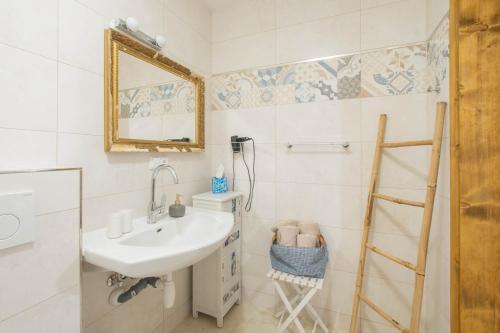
475, 165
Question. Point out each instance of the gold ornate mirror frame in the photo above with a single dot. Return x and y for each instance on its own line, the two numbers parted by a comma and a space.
115, 42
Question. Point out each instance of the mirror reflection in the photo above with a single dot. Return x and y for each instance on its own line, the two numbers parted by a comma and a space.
153, 103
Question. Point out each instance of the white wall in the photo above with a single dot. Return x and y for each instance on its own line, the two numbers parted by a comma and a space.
437, 291
329, 188
40, 289
52, 80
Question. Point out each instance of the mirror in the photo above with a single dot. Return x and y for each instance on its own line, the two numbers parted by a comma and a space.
152, 103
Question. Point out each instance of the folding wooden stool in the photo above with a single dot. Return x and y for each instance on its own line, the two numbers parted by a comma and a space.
306, 288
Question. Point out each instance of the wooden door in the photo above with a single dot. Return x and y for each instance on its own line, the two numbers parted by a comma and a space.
475, 165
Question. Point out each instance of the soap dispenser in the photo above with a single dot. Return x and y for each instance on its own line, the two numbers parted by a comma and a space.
177, 209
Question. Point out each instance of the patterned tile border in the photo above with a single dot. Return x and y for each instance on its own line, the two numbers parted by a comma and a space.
410, 69
438, 54
157, 100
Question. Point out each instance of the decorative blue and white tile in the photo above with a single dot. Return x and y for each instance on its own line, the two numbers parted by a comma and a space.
326, 90
438, 54
396, 71
226, 92
313, 71
305, 92
135, 102
258, 97
349, 77
393, 71
285, 94
158, 100
286, 75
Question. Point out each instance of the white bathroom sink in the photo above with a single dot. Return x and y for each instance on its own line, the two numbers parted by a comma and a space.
160, 248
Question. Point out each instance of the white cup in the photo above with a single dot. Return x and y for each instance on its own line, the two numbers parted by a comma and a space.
115, 225
127, 220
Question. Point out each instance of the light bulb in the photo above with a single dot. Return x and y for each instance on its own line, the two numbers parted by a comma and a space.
160, 40
114, 23
132, 24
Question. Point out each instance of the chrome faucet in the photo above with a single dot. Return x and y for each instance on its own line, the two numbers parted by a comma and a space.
155, 211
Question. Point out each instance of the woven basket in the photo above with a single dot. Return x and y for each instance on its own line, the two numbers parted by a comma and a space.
301, 261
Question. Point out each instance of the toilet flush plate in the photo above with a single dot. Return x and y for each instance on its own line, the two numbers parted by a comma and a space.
17, 219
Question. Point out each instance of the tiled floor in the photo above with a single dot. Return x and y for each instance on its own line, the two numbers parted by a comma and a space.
244, 318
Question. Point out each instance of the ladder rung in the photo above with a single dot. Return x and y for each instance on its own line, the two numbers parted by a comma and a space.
398, 200
406, 144
383, 314
389, 256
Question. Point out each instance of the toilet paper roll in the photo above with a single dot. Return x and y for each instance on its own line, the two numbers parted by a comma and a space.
287, 235
306, 240
309, 228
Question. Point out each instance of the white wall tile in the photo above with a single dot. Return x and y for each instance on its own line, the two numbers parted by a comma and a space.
337, 293
81, 102
258, 123
236, 54
376, 327
195, 13
440, 231
328, 205
54, 190
260, 300
186, 46
335, 167
335, 320
264, 199
254, 270
29, 83
245, 19
81, 36
394, 297
376, 3
56, 235
143, 314
436, 10
27, 149
30, 25
174, 318
149, 13
256, 234
59, 314
406, 117
343, 248
290, 12
96, 210
327, 37
400, 168
395, 24
192, 167
403, 247
103, 173
324, 121
183, 287
392, 218
265, 157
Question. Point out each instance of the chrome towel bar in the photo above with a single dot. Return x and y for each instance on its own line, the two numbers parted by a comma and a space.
344, 144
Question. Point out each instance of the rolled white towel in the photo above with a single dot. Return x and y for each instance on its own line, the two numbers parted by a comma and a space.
309, 228
306, 240
287, 235
291, 223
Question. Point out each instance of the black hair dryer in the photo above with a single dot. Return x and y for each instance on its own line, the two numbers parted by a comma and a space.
236, 142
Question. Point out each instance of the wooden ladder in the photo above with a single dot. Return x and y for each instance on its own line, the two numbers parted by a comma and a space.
428, 205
